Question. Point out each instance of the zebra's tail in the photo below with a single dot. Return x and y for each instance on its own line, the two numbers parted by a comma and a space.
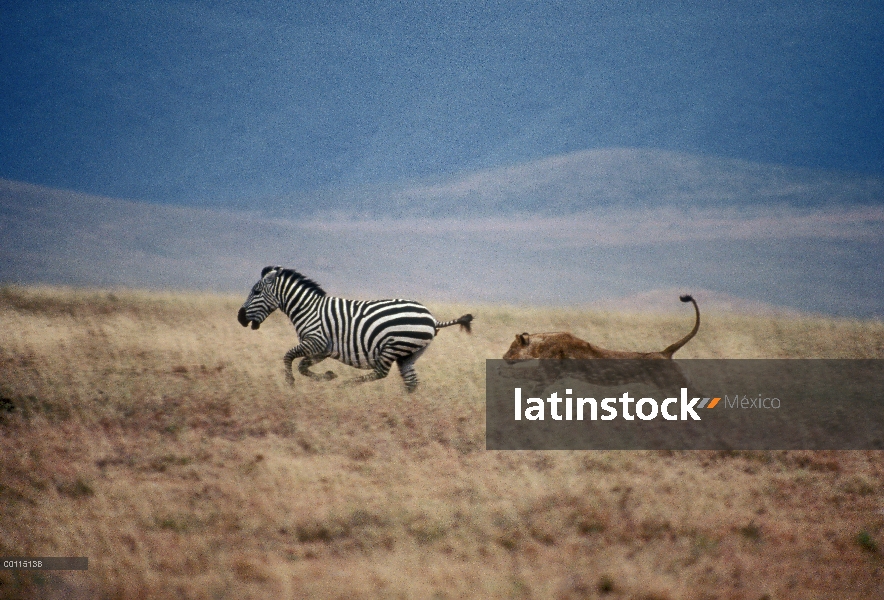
463, 321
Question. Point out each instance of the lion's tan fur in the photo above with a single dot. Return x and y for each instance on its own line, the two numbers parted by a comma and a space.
561, 344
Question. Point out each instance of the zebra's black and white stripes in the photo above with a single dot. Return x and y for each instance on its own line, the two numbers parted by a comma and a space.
363, 334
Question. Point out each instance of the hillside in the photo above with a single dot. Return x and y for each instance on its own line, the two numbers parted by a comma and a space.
154, 435
596, 179
575, 230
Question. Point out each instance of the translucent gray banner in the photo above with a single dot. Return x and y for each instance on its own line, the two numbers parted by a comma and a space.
46, 563
685, 405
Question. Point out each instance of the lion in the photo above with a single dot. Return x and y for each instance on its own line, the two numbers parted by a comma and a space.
565, 345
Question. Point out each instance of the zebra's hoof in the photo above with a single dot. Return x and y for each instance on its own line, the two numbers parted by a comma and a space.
289, 379
329, 375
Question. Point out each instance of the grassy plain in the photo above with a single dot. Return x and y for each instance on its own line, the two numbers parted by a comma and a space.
154, 435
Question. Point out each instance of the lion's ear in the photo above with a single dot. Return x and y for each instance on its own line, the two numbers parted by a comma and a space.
523, 339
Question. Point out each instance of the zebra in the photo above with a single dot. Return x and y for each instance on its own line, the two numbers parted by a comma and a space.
362, 334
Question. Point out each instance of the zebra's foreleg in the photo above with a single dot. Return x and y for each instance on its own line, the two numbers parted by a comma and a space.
307, 362
304, 365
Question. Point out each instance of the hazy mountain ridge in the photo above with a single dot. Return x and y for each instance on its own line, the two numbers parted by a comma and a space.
824, 258
591, 179
666, 301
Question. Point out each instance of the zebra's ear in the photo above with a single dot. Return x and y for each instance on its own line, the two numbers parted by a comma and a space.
270, 277
270, 273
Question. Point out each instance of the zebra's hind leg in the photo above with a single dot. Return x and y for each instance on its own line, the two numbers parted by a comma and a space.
380, 370
373, 376
406, 369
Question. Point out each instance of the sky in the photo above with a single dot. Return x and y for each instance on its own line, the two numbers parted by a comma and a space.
234, 103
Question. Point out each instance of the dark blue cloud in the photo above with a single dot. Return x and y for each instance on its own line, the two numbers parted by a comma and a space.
220, 102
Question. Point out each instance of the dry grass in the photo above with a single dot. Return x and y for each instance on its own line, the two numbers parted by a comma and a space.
154, 435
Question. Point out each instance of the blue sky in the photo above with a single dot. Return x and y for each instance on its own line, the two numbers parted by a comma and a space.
234, 102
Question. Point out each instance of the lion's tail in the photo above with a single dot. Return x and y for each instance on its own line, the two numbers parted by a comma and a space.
672, 349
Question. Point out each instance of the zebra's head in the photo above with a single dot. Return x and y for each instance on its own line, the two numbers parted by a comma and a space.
261, 301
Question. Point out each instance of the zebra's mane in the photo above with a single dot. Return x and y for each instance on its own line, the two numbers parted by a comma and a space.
302, 280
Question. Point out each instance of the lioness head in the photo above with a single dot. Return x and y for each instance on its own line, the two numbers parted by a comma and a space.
547, 345
519, 349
